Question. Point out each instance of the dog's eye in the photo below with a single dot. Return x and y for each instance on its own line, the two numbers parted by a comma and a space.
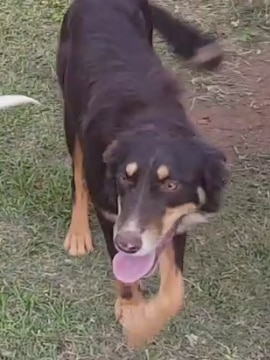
170, 185
124, 180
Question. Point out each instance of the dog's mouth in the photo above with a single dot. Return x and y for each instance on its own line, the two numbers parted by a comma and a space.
128, 268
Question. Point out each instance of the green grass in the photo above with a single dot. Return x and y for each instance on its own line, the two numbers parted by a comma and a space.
53, 307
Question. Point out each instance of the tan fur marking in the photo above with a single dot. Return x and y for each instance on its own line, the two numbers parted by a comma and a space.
78, 240
163, 172
201, 195
119, 208
131, 168
109, 151
143, 320
109, 215
173, 214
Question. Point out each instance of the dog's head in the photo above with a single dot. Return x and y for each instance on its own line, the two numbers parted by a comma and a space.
163, 185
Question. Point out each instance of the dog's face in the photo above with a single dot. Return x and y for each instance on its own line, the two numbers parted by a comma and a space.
162, 185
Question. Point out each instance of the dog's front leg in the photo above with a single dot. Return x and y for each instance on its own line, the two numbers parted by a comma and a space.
142, 320
79, 240
128, 296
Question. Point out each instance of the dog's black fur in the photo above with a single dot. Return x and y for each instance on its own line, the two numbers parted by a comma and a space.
123, 107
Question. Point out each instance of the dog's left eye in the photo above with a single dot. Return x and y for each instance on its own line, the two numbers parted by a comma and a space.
170, 185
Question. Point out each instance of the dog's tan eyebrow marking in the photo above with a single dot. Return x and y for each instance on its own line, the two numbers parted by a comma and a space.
163, 172
131, 168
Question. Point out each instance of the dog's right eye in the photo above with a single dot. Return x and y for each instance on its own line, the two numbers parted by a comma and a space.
124, 180
170, 185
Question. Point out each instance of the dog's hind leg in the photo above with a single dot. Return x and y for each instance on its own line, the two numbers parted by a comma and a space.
78, 240
186, 40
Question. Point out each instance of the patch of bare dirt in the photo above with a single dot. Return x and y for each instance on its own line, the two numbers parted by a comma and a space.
241, 125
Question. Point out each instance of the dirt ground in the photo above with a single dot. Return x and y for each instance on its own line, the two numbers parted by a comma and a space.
242, 126
231, 105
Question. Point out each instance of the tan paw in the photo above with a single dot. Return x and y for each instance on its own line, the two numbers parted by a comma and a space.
118, 309
124, 306
78, 244
138, 329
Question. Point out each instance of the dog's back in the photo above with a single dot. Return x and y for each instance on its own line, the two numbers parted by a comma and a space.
118, 57
101, 39
116, 34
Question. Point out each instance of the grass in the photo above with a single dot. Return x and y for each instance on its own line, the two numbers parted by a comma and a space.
53, 307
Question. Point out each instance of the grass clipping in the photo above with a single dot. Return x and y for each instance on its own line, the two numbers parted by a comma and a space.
143, 319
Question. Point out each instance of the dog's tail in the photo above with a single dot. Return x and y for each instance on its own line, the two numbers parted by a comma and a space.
187, 41
7, 101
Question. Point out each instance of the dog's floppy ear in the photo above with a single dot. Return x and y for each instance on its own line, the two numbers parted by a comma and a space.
215, 178
7, 101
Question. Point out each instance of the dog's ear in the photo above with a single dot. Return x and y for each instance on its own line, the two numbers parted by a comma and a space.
215, 178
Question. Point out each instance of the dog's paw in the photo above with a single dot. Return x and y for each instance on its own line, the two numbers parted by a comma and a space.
138, 328
78, 244
123, 307
208, 57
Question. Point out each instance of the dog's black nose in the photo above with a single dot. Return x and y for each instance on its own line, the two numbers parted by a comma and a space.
128, 242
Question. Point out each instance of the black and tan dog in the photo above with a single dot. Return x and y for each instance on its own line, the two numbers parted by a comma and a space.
148, 172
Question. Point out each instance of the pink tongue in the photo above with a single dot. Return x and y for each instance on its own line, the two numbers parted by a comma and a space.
130, 268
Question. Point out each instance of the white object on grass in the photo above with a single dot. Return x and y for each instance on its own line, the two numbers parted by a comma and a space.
7, 101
